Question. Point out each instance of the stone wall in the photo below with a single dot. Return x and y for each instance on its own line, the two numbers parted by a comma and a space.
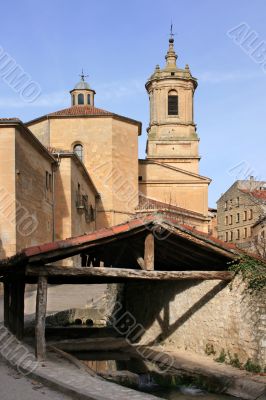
194, 314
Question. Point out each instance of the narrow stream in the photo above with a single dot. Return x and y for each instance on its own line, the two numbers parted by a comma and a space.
147, 385
135, 373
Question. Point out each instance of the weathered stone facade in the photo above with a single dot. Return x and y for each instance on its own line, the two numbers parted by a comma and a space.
26, 215
238, 209
196, 314
38, 192
110, 155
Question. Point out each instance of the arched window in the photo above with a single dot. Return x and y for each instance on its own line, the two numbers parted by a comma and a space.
78, 150
172, 103
89, 99
80, 98
73, 99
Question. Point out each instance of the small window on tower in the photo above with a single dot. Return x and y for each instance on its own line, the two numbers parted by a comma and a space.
89, 99
172, 103
81, 98
73, 99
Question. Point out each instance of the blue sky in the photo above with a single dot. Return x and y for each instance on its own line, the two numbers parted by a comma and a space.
119, 42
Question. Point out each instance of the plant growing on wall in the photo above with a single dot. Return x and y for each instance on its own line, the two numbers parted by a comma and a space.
253, 272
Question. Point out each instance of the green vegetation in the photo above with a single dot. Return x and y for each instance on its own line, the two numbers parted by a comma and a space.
227, 358
252, 270
222, 357
234, 361
252, 367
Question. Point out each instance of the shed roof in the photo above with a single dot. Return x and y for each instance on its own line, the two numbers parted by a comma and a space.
176, 246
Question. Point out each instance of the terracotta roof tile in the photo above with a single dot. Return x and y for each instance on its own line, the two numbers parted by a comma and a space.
146, 203
9, 119
258, 194
47, 248
79, 111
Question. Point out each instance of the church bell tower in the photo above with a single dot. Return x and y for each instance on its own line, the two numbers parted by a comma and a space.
172, 137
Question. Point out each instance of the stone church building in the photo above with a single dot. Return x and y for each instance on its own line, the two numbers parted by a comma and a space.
77, 170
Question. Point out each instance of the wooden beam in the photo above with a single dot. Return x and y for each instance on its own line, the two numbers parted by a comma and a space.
149, 252
79, 272
41, 304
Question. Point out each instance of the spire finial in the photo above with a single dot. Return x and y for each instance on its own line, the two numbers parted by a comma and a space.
172, 34
82, 76
171, 31
171, 55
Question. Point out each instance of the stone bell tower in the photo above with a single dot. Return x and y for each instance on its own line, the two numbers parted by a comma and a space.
172, 137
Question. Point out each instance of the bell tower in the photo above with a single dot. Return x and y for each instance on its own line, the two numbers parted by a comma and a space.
172, 137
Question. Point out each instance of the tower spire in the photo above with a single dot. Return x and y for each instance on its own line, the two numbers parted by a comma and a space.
171, 56
82, 76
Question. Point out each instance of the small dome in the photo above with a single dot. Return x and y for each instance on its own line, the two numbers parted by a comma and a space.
82, 85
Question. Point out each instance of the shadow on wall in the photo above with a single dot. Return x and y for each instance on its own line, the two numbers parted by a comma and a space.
62, 211
2, 251
101, 217
150, 302
2, 255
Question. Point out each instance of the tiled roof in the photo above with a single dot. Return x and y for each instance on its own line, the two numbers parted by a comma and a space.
80, 111
9, 119
84, 111
146, 203
70, 246
258, 194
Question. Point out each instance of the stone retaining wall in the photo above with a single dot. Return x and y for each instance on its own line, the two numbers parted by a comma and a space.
193, 315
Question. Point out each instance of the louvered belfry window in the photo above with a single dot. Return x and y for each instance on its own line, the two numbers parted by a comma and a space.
172, 104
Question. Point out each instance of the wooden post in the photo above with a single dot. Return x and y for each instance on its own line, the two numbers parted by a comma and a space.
20, 288
41, 303
6, 303
13, 306
149, 252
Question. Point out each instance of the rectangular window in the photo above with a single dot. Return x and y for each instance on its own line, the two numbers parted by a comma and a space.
231, 220
237, 217
237, 201
250, 214
231, 236
245, 233
226, 220
50, 183
47, 180
245, 215
226, 236
172, 105
238, 234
